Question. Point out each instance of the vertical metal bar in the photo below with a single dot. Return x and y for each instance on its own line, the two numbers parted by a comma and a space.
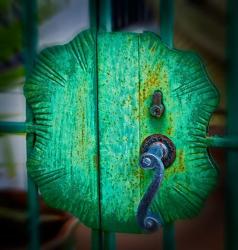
168, 237
109, 241
30, 33
166, 34
33, 215
167, 21
96, 240
105, 24
93, 14
101, 19
105, 17
232, 119
30, 49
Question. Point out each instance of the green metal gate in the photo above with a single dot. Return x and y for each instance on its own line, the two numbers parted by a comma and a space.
101, 19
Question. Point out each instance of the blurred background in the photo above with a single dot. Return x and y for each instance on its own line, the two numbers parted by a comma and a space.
199, 25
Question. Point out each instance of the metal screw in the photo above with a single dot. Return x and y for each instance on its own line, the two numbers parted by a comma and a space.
157, 108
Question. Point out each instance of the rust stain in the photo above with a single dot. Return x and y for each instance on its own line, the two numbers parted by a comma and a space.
154, 80
83, 127
153, 49
169, 130
139, 174
127, 101
181, 162
95, 159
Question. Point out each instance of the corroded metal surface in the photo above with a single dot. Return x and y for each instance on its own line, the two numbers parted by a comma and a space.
164, 140
189, 98
157, 107
156, 151
62, 94
118, 86
67, 157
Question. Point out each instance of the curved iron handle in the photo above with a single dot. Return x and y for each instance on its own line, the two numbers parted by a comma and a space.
152, 159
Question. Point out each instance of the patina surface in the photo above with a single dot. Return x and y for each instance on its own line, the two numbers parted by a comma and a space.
89, 132
62, 94
189, 98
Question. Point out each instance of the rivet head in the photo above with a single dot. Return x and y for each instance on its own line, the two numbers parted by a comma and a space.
146, 162
157, 110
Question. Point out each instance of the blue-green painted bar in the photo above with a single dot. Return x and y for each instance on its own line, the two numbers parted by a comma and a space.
167, 34
232, 129
168, 237
30, 34
230, 142
93, 14
101, 20
96, 239
105, 24
12, 127
167, 21
109, 241
105, 17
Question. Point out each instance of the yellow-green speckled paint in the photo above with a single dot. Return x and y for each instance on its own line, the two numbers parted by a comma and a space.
85, 129
62, 94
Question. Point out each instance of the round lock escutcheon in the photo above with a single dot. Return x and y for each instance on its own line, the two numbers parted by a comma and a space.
152, 144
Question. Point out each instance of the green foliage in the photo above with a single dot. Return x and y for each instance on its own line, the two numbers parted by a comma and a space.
11, 37
11, 77
5, 6
10, 40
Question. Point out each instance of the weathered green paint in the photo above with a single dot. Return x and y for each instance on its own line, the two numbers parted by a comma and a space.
118, 85
101, 19
131, 67
62, 93
167, 36
189, 99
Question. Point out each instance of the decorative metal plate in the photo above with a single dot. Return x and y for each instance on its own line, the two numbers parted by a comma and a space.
82, 125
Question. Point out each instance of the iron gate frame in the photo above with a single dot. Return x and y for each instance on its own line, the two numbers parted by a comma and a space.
101, 19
